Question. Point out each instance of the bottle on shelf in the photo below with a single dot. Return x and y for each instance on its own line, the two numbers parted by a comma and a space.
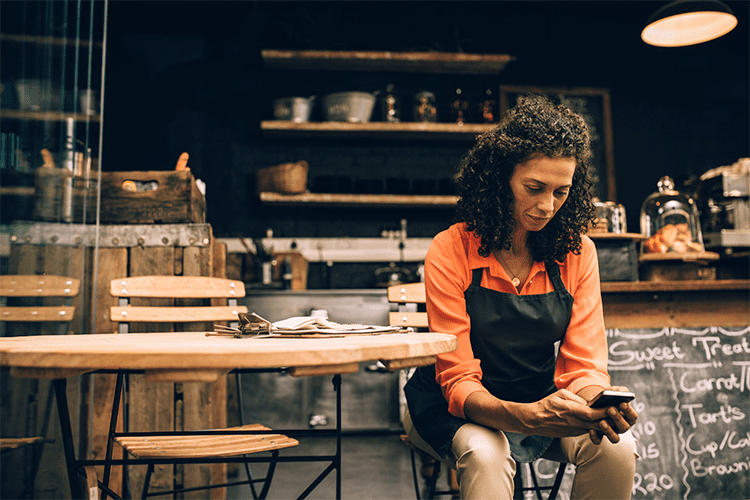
459, 107
390, 105
487, 108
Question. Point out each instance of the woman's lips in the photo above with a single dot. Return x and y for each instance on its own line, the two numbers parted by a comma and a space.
539, 220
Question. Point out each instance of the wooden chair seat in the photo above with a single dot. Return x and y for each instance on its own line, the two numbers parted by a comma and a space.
7, 444
206, 446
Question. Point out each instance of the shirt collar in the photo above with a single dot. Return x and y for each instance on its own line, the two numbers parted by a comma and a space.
476, 261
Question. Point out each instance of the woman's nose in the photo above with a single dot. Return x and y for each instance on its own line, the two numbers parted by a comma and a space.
547, 204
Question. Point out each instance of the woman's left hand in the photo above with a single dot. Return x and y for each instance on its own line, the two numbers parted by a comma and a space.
613, 420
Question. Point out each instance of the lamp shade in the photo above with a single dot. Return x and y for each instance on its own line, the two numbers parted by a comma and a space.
688, 22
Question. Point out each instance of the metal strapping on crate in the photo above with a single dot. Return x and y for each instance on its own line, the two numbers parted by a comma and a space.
111, 236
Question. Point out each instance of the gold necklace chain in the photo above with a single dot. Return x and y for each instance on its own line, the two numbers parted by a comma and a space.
515, 280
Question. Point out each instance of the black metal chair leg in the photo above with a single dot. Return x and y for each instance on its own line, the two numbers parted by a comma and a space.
535, 481
269, 476
414, 473
431, 485
149, 471
553, 490
111, 432
558, 482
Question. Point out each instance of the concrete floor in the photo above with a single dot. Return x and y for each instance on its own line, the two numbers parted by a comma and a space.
373, 466
376, 466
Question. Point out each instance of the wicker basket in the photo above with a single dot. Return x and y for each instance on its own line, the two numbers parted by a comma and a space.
287, 178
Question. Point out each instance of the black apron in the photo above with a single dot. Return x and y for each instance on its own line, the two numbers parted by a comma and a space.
513, 336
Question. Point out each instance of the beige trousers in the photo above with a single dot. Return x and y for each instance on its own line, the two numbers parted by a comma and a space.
486, 469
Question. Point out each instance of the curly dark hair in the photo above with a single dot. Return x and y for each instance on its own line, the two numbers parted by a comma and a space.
534, 127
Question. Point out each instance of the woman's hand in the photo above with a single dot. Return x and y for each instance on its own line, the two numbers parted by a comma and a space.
616, 420
561, 414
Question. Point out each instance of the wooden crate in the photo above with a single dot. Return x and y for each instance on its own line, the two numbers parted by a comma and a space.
189, 250
151, 197
61, 196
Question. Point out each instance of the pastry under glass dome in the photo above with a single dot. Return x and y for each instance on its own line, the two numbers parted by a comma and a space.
670, 222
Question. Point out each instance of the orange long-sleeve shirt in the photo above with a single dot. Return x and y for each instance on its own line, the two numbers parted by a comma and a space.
453, 254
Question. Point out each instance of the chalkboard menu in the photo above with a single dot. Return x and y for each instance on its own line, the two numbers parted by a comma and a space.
593, 104
692, 391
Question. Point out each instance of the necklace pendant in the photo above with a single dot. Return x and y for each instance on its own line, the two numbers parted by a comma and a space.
515, 282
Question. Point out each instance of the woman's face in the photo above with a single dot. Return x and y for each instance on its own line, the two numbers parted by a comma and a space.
540, 187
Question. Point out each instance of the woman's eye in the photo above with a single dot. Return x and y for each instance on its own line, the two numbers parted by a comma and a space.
533, 189
562, 193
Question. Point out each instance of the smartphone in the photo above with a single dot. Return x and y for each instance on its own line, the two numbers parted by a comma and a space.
608, 398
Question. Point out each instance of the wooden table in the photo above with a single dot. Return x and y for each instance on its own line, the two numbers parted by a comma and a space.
193, 356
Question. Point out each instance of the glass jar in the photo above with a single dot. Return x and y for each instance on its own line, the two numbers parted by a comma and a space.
610, 217
425, 109
669, 220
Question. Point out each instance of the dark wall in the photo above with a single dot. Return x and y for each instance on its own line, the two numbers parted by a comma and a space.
187, 76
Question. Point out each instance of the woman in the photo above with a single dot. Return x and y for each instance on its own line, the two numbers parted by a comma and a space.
514, 279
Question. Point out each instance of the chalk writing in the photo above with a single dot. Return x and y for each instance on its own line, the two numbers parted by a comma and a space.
713, 345
691, 389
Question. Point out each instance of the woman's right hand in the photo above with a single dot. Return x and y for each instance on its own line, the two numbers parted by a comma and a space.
561, 414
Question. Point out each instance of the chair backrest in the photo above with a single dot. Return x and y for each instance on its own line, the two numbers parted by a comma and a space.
38, 299
409, 297
176, 299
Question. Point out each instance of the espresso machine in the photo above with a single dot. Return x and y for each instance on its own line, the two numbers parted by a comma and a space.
725, 206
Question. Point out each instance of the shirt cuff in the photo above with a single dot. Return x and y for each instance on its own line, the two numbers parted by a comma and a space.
578, 385
460, 394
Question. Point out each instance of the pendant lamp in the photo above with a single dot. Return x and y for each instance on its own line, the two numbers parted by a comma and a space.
688, 22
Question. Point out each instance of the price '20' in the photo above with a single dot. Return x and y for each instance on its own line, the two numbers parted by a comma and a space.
651, 482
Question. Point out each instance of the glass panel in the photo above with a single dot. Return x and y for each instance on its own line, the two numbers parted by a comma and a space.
51, 78
51, 69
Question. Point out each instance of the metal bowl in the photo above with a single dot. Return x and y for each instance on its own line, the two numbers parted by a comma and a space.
353, 107
296, 109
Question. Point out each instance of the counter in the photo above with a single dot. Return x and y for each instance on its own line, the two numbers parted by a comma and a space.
627, 304
678, 304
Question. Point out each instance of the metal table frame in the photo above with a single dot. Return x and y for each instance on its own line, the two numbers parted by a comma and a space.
75, 467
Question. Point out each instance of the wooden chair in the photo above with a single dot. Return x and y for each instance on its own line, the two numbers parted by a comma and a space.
411, 299
32, 293
180, 448
31, 297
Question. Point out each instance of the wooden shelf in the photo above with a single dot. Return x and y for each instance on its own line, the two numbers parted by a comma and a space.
674, 286
17, 191
50, 116
615, 236
413, 62
359, 200
677, 256
375, 130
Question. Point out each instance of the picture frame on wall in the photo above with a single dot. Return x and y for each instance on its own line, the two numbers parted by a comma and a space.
593, 103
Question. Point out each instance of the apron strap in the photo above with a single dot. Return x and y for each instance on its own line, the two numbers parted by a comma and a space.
476, 276
553, 271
